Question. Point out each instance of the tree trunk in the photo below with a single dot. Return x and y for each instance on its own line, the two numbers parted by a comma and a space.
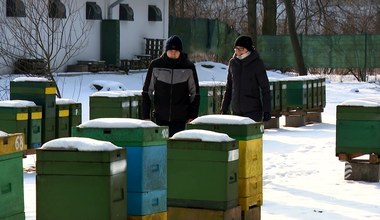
301, 68
269, 20
252, 24
172, 7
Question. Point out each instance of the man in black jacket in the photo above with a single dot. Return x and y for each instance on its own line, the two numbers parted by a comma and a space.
247, 89
172, 85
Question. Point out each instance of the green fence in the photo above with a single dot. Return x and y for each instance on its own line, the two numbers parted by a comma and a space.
204, 36
319, 51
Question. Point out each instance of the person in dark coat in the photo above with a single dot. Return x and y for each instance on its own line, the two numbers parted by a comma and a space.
171, 84
247, 89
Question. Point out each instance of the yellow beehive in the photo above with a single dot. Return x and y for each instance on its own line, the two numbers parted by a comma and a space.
154, 216
10, 143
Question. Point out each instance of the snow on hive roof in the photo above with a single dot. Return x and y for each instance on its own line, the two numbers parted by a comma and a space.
203, 135
222, 119
30, 79
63, 101
3, 134
366, 102
80, 144
117, 123
113, 94
212, 83
17, 103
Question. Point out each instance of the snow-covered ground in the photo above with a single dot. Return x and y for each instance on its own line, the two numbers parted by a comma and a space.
302, 177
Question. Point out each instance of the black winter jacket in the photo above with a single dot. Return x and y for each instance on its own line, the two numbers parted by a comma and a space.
247, 88
172, 85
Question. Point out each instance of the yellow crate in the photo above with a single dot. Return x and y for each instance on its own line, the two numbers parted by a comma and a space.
247, 202
12, 143
251, 158
250, 186
155, 216
180, 213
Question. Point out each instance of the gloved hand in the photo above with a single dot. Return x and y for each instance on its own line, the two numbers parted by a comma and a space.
266, 116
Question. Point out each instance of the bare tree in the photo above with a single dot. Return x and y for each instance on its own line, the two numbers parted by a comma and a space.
49, 31
269, 20
294, 39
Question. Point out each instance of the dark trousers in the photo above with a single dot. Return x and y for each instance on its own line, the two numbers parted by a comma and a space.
174, 127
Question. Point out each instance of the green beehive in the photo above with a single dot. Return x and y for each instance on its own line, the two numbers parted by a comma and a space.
358, 127
62, 121
322, 92
203, 174
34, 127
136, 111
132, 133
206, 93
219, 90
283, 95
275, 88
12, 188
75, 115
296, 93
76, 184
111, 104
42, 93
14, 120
48, 129
247, 131
310, 87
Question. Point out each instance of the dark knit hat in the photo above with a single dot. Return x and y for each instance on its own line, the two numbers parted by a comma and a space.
173, 43
244, 41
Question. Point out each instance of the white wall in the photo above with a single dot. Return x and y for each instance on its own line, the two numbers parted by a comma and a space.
132, 33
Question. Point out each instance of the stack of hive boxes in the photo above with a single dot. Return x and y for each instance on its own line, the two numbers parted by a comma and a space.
114, 104
11, 178
202, 176
81, 178
147, 161
68, 115
249, 135
43, 93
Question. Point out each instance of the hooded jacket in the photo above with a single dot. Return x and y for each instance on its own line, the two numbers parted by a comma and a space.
247, 89
173, 88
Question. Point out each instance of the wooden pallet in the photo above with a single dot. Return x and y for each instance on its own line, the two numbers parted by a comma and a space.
372, 158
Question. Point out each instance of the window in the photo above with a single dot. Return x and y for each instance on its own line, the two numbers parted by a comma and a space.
93, 11
57, 9
125, 12
15, 8
154, 13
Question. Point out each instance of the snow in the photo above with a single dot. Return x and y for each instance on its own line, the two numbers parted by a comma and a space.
117, 123
201, 135
302, 177
113, 94
63, 101
30, 79
222, 119
17, 103
365, 102
3, 134
79, 144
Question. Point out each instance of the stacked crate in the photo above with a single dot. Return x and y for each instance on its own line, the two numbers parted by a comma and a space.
43, 93
11, 178
154, 47
249, 135
202, 175
112, 104
146, 154
69, 114
80, 179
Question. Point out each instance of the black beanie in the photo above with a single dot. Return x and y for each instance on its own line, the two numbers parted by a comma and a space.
244, 41
173, 43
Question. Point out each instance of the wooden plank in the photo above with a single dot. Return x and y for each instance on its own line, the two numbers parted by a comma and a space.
254, 213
